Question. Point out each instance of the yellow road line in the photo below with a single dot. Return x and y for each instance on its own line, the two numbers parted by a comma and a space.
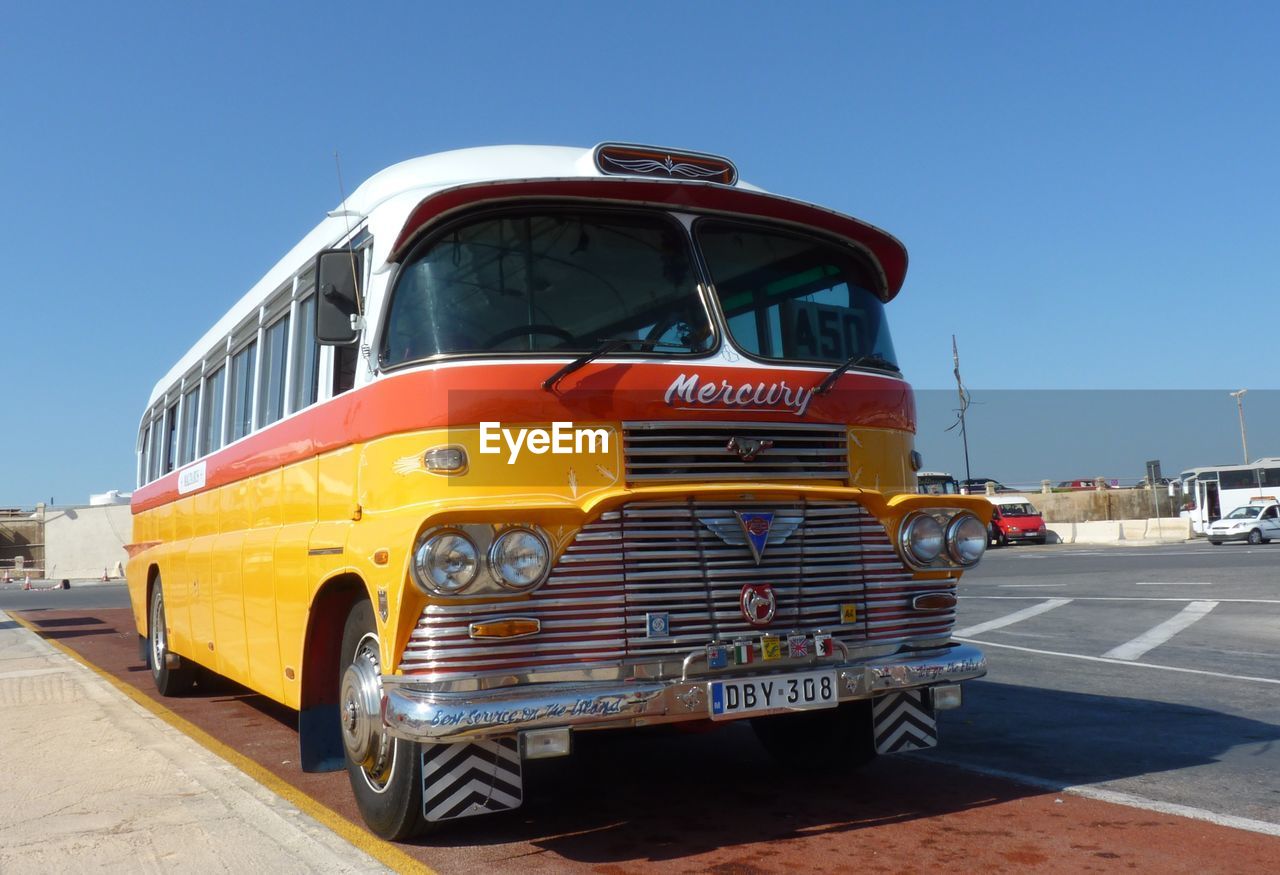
382, 851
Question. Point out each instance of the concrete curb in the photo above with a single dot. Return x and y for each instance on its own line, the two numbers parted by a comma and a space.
129, 791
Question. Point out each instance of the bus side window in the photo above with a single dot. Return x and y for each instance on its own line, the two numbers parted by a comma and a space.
344, 368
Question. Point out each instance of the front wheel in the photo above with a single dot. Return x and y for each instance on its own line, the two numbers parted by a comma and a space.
172, 674
1255, 537
385, 772
1215, 543
820, 741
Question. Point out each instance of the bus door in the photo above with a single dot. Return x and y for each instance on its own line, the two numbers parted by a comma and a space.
1208, 501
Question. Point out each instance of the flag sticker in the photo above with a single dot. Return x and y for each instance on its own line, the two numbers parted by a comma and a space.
821, 646
797, 646
848, 614
744, 652
770, 647
717, 656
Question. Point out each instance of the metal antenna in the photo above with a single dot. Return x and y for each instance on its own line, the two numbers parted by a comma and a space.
346, 217
964, 405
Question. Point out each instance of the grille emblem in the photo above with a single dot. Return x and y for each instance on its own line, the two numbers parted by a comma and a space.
756, 527
758, 603
747, 448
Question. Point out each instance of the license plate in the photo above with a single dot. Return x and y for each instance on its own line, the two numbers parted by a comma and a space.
730, 699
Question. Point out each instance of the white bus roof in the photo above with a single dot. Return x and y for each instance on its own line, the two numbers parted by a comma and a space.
409, 182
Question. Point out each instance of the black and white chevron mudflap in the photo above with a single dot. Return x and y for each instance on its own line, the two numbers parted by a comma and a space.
469, 778
904, 721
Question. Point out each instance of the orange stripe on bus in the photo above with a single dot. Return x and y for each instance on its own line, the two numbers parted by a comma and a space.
465, 395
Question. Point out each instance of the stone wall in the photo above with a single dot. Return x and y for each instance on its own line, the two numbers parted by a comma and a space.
1092, 505
21, 545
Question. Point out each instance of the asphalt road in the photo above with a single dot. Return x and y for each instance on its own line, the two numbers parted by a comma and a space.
1150, 671
43, 596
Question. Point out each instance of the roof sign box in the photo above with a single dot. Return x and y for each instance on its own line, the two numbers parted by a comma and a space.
626, 159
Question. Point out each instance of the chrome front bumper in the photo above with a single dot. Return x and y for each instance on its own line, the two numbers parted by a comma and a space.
420, 714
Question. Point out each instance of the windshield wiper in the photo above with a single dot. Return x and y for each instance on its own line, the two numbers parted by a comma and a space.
604, 347
875, 360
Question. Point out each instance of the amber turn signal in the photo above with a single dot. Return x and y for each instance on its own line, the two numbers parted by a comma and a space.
511, 627
934, 601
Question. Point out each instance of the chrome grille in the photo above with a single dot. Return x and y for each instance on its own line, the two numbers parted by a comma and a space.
700, 451
667, 557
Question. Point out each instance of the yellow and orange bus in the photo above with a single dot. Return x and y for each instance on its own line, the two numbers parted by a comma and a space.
522, 442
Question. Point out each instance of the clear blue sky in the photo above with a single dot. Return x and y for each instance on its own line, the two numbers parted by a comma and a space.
1088, 191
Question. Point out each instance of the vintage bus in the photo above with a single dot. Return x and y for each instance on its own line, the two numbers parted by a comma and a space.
522, 442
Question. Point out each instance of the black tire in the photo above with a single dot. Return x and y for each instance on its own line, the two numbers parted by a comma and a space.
825, 741
1255, 537
1215, 543
385, 772
169, 680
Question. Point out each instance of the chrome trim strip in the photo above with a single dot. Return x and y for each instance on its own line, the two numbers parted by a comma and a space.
420, 714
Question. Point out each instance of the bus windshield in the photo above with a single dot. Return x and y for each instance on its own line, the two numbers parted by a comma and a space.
795, 298
549, 282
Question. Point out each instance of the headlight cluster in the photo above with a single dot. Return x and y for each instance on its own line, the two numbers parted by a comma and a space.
960, 535
449, 562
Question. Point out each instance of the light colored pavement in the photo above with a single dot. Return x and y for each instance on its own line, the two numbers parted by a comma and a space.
92, 781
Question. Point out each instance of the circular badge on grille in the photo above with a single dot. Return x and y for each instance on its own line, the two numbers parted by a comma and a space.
758, 603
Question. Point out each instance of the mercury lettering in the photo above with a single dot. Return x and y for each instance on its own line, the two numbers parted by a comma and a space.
688, 391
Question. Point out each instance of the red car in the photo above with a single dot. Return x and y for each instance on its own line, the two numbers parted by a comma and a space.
1014, 519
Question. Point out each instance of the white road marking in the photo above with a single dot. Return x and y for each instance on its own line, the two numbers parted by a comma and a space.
1031, 585
1157, 635
1170, 583
1089, 791
1200, 671
1015, 617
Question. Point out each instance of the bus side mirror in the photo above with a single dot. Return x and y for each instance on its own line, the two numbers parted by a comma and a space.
338, 273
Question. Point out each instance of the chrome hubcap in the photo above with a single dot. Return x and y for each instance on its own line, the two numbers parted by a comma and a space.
157, 633
361, 713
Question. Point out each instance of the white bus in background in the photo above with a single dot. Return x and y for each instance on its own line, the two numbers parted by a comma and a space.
936, 483
1213, 492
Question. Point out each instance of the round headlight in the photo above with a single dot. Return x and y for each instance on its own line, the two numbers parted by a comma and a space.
519, 558
445, 563
922, 538
966, 539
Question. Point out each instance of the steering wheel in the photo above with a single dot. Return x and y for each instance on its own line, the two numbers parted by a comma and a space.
536, 328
